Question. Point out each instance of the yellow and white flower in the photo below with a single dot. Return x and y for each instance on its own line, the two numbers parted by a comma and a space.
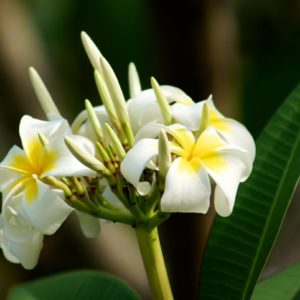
190, 114
26, 171
196, 161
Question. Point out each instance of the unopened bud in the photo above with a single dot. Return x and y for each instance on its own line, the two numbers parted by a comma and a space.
162, 102
94, 120
43, 94
134, 81
115, 142
118, 99
86, 158
92, 51
164, 154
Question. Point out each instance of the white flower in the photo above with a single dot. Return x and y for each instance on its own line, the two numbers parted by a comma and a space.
25, 171
187, 184
190, 115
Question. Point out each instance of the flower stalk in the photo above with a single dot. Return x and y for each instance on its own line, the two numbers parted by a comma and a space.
154, 263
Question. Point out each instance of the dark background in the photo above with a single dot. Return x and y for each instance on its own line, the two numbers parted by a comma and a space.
246, 53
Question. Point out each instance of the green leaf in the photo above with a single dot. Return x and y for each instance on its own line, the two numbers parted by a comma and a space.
284, 285
78, 285
239, 245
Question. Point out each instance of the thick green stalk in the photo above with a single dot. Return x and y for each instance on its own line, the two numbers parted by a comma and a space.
154, 262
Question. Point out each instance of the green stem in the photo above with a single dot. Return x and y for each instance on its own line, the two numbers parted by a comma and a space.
157, 218
114, 216
154, 262
131, 205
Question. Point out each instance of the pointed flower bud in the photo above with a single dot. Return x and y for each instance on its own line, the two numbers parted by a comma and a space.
115, 142
162, 101
79, 186
164, 154
86, 158
107, 101
118, 99
51, 180
43, 94
92, 51
105, 157
134, 81
94, 120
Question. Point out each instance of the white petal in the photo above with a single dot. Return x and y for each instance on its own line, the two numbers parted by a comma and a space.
83, 126
47, 210
175, 94
187, 188
15, 225
150, 130
236, 134
16, 161
89, 225
3, 245
236, 168
188, 115
7, 178
66, 164
27, 252
227, 165
143, 109
215, 113
137, 158
143, 188
30, 128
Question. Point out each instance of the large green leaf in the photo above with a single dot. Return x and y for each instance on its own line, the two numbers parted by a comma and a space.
284, 285
239, 245
79, 285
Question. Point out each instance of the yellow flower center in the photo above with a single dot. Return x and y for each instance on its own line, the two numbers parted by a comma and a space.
32, 166
204, 149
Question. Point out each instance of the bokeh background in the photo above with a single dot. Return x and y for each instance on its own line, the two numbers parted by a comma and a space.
246, 53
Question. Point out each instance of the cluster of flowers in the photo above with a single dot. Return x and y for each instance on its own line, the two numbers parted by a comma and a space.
132, 161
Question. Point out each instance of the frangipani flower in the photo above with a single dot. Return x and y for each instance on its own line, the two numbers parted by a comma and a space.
190, 114
27, 171
187, 183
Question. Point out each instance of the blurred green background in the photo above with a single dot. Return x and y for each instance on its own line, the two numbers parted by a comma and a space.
245, 53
